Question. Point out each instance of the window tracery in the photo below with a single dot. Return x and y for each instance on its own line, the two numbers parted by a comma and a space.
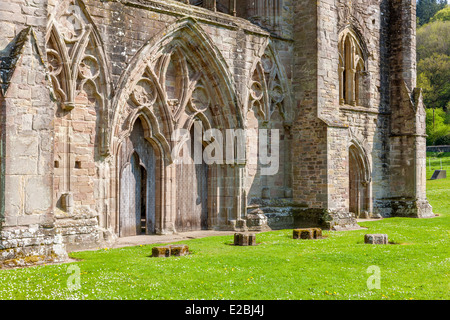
352, 70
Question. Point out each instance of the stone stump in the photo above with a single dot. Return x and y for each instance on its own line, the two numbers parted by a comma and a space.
161, 252
317, 233
376, 239
309, 233
244, 239
303, 234
179, 250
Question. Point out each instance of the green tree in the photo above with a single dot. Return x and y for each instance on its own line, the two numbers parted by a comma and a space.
426, 9
432, 38
437, 129
433, 67
433, 78
442, 15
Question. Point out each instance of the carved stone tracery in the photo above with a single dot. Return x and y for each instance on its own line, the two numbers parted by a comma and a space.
77, 64
267, 91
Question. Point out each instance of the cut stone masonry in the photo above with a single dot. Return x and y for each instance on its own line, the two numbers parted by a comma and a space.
93, 92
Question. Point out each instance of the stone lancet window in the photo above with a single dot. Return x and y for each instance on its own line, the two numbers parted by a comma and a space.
352, 70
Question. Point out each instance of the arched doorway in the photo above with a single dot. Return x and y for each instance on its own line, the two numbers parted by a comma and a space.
153, 90
137, 185
358, 183
192, 192
133, 202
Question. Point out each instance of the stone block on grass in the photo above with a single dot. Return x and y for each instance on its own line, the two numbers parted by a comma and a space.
244, 239
308, 233
179, 250
317, 233
376, 239
161, 252
303, 234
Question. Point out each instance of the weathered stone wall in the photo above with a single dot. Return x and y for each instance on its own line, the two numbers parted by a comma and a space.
368, 126
76, 75
125, 30
27, 232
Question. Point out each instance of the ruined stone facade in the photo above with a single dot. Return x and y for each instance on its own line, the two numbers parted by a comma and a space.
92, 93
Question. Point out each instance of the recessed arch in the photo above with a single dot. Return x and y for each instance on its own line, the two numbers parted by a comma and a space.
140, 173
202, 67
268, 72
152, 130
352, 32
353, 66
196, 45
359, 180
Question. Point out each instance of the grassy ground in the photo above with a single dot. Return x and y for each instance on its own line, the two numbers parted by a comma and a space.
336, 267
437, 161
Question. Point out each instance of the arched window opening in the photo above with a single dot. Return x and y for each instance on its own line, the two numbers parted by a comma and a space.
352, 71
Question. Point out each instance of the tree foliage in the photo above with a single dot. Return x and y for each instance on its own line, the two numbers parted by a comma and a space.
433, 78
426, 9
433, 72
442, 15
433, 38
438, 129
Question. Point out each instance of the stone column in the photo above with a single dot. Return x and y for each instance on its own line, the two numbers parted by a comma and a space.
210, 4
407, 139
341, 85
232, 6
165, 223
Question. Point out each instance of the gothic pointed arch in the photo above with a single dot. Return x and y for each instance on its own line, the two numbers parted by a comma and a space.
362, 158
140, 174
269, 106
191, 80
152, 130
353, 61
268, 87
146, 100
359, 180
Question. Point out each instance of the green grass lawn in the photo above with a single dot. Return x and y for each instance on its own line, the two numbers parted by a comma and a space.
417, 266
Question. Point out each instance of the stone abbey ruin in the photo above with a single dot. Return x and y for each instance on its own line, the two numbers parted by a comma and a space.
92, 92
